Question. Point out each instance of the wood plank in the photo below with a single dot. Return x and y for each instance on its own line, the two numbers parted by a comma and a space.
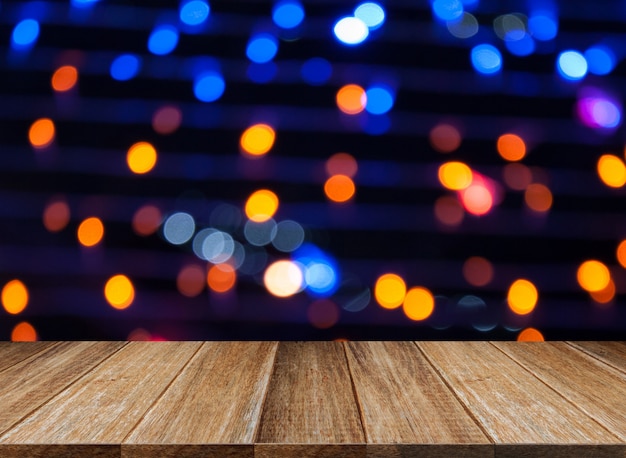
217, 399
612, 353
33, 381
594, 387
310, 401
403, 401
513, 406
104, 405
13, 352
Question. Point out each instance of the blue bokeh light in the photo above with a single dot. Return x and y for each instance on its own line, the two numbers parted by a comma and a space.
163, 40
571, 65
262, 73
542, 26
351, 31
379, 100
372, 14
262, 48
316, 71
25, 33
601, 60
125, 67
83, 3
447, 10
523, 47
194, 12
486, 59
321, 273
288, 14
209, 87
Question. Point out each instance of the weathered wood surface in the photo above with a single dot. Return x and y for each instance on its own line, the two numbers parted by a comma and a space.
312, 399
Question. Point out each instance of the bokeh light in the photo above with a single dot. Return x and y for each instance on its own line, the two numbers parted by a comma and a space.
141, 157
523, 47
56, 215
447, 10
455, 175
146, 220
64, 78
543, 25
478, 271
593, 276
316, 71
194, 12
260, 233
209, 86
167, 119
262, 48
522, 297
597, 110
321, 275
342, 164
538, 197
339, 188
261, 205
510, 27
351, 99
600, 59
486, 59
351, 31
125, 67
372, 14
14, 297
572, 65
163, 40
477, 199
119, 292
449, 211
444, 138
289, 236
530, 335
283, 278
418, 304
390, 291
605, 295
24, 332
612, 170
90, 231
620, 253
25, 33
41, 133
379, 100
323, 314
517, 176
287, 14
221, 278
466, 26
511, 147
257, 139
179, 228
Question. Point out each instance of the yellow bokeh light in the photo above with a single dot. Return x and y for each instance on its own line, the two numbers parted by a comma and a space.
261, 205
64, 78
90, 231
56, 216
41, 133
511, 147
418, 304
283, 278
119, 292
23, 332
612, 171
14, 297
141, 157
221, 278
522, 297
621, 253
351, 99
390, 291
593, 276
444, 138
538, 197
455, 175
339, 188
258, 139
530, 335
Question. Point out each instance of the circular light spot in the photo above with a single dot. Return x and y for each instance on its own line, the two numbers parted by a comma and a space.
339, 188
146, 220
351, 31
510, 27
261, 205
447, 10
351, 99
119, 292
464, 27
257, 139
209, 87
523, 47
444, 138
25, 33
379, 100
320, 278
41, 133
612, 171
604, 296
141, 157
572, 65
289, 236
288, 14
477, 199
90, 231
486, 59
600, 59
390, 291
260, 233
593, 276
64, 78
221, 278
23, 332
455, 175
323, 314
511, 147
522, 297
477, 271
449, 211
167, 120
125, 67
283, 278
218, 247
316, 71
517, 176
530, 335
262, 48
163, 40
543, 26
342, 164
194, 12
179, 228
621, 253
538, 197
56, 215
418, 304
14, 297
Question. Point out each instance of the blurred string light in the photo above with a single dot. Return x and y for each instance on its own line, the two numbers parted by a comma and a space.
221, 278
289, 236
517, 176
90, 231
56, 215
14, 296
605, 295
486, 59
125, 67
321, 274
379, 99
283, 278
41, 133
351, 30
510, 27
522, 47
24, 332
323, 314
479, 197
543, 25
257, 140
455, 175
522, 297
465, 26
418, 304
342, 164
478, 271
390, 291
190, 280
530, 335
600, 59
444, 138
571, 65
538, 197
339, 188
316, 71
593, 276
620, 253
167, 119
288, 14
262, 48
119, 292
260, 233
261, 205
25, 34
597, 109
372, 14
351, 99
64, 78
179, 228
146, 220
162, 40
447, 10
141, 157
612, 170
217, 246
194, 12
209, 86
511, 147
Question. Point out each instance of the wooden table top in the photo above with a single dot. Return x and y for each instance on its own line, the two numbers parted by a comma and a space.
305, 399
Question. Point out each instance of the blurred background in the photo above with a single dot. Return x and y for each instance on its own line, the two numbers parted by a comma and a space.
312, 169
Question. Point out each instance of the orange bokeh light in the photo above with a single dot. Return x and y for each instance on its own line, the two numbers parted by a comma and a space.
147, 220
593, 276
258, 139
221, 278
478, 271
538, 197
522, 297
64, 78
390, 291
190, 280
455, 175
621, 253
261, 205
339, 188
418, 304
56, 215
444, 138
606, 295
517, 176
511, 147
14, 297
141, 157
530, 335
90, 232
351, 99
23, 332
119, 292
41, 133
342, 164
477, 199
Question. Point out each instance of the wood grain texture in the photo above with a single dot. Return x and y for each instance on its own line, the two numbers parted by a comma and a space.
28, 384
403, 401
594, 387
560, 451
59, 451
612, 353
429, 450
187, 451
105, 404
217, 398
14, 352
309, 451
310, 401
511, 404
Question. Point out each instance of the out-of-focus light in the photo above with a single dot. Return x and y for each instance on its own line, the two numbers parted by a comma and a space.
141, 157
316, 71
530, 335
593, 276
194, 12
14, 297
522, 47
390, 290
25, 33
510, 27
83, 3
611, 170
139, 335
289, 236
342, 164
261, 205
119, 292
90, 231
288, 14
217, 247
323, 314
257, 139
372, 14
466, 26
167, 120
511, 147
517, 176
339, 188
444, 138
522, 297
125, 67
571, 65
146, 220
477, 199
351, 30
260, 233
477, 271
604, 296
262, 73
56, 215
449, 211
163, 40
283, 278
221, 278
379, 100
486, 59
208, 87
620, 253
538, 197
543, 26
601, 60
320, 270
23, 332
447, 10
64, 78
262, 48
596, 110
418, 304
351, 99
41, 133
455, 175
179, 228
